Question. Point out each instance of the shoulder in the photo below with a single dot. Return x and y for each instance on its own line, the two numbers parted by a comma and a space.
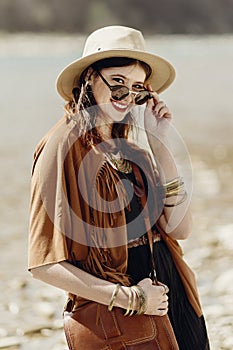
58, 141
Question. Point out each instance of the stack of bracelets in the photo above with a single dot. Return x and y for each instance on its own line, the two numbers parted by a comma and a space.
175, 188
137, 303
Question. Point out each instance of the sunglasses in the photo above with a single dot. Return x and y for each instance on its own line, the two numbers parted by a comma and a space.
119, 92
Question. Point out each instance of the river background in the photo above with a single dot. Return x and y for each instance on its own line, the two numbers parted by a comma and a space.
201, 101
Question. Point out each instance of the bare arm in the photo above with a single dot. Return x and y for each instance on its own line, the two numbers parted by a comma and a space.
175, 221
71, 279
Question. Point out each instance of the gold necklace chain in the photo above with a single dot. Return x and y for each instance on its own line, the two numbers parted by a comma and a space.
119, 163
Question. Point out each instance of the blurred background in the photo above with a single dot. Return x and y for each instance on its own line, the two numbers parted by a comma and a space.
37, 39
163, 16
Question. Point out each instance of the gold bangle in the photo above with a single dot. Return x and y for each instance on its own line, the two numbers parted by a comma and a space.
133, 302
179, 202
173, 183
174, 188
142, 299
175, 192
129, 306
113, 298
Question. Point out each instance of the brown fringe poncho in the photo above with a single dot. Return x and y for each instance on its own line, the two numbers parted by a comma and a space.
77, 208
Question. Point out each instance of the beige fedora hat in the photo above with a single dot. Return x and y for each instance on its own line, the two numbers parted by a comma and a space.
115, 41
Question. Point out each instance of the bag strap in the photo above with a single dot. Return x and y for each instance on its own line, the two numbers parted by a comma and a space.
139, 179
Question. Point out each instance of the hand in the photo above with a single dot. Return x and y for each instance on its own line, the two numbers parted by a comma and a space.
157, 299
157, 116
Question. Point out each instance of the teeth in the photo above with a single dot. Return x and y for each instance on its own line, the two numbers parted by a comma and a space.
119, 105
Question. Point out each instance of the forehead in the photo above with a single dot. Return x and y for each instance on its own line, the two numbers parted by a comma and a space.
134, 72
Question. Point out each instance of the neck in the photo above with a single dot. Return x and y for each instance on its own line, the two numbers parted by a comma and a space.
104, 127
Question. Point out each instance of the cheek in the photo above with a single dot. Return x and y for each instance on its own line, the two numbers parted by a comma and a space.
101, 94
105, 108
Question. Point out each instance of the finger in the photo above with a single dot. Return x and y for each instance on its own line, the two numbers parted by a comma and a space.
153, 93
164, 113
149, 88
163, 309
158, 312
162, 312
164, 305
158, 106
161, 109
166, 289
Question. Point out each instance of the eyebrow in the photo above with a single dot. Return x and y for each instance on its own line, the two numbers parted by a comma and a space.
123, 76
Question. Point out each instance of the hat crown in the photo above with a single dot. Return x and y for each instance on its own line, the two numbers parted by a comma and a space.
114, 38
115, 41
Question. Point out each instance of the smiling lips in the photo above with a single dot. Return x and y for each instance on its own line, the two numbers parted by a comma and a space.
118, 106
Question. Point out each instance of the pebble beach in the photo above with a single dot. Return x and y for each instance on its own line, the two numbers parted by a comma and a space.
201, 101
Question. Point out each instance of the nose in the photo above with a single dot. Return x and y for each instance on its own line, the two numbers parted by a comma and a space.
130, 97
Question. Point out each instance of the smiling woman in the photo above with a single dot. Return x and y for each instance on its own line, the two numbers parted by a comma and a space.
119, 94
105, 215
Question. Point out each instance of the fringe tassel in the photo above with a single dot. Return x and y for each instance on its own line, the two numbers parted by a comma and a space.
105, 214
99, 265
108, 185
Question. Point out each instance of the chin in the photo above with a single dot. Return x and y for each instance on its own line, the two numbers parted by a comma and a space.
112, 114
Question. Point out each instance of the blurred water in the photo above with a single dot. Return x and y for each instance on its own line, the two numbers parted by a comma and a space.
201, 100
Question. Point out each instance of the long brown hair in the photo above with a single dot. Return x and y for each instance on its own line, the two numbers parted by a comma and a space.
84, 108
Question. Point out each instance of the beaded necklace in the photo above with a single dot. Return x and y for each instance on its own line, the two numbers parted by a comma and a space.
119, 163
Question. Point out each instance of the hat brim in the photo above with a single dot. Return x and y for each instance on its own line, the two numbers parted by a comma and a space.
162, 75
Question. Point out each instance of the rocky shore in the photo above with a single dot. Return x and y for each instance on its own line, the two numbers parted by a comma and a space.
31, 312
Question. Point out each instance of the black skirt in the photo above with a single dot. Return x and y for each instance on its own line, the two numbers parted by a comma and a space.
190, 330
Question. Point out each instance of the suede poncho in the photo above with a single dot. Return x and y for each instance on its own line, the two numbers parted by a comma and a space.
77, 208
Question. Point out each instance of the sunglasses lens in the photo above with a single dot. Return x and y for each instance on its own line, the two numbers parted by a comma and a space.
119, 92
142, 97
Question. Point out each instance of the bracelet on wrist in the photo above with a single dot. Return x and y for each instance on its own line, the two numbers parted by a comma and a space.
129, 310
135, 292
173, 183
142, 299
182, 200
113, 298
174, 188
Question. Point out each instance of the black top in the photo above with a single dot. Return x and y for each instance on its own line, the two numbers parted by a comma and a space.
190, 330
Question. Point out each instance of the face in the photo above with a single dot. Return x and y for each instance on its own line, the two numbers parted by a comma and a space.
132, 76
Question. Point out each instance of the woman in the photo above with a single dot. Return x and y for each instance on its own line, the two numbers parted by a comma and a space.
103, 216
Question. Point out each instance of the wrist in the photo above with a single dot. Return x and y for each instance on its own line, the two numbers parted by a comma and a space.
133, 299
175, 192
122, 297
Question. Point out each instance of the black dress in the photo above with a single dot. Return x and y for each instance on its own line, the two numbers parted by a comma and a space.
190, 330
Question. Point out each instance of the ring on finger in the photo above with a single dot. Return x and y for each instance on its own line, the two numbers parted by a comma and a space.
166, 289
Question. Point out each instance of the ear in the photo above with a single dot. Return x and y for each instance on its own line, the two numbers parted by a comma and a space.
89, 74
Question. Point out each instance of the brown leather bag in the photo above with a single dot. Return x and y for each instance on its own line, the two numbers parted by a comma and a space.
93, 327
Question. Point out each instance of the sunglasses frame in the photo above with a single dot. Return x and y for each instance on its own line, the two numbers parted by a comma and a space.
113, 88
